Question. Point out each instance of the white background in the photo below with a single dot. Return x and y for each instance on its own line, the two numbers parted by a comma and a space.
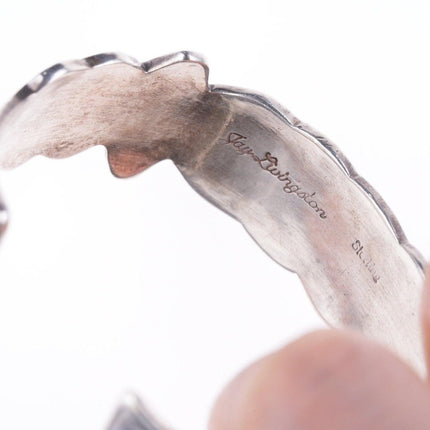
108, 285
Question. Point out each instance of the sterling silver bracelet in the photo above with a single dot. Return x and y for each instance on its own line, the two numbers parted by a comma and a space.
294, 192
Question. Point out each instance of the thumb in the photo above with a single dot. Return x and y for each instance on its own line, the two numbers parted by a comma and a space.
326, 380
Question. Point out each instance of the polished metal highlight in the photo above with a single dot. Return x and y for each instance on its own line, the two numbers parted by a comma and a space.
3, 217
294, 192
132, 415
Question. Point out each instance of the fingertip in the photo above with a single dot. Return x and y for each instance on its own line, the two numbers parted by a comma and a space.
327, 379
425, 315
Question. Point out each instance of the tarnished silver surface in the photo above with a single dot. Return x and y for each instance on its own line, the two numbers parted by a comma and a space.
292, 189
3, 217
132, 415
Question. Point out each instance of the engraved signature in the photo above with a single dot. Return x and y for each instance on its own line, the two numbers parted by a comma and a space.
269, 163
366, 259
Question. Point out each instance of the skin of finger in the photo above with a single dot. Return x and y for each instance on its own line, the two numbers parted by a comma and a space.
326, 380
425, 315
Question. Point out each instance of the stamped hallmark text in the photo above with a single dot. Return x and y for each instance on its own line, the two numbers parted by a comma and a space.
269, 163
366, 260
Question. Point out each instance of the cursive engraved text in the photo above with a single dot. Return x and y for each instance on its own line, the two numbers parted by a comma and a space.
269, 163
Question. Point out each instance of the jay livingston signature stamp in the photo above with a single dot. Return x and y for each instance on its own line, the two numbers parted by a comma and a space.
270, 164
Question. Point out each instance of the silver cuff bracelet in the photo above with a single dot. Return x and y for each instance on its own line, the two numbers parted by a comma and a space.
291, 188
